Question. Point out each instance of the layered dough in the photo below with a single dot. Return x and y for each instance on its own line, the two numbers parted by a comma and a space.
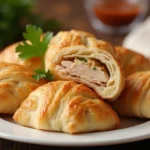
16, 83
135, 98
68, 107
131, 61
93, 67
9, 55
74, 37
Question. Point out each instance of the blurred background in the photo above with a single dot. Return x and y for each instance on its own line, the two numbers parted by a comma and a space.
55, 15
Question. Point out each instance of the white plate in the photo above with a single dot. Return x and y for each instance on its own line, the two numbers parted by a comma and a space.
131, 130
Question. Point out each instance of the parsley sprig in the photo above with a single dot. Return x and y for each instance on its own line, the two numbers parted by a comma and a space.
35, 46
42, 74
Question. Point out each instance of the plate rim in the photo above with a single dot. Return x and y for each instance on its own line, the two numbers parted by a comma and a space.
145, 134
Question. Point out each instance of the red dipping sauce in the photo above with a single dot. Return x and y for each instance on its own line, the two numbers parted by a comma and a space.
116, 13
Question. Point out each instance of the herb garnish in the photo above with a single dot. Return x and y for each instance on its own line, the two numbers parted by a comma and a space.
82, 59
36, 48
42, 74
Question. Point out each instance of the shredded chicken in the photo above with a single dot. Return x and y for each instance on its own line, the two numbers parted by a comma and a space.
89, 70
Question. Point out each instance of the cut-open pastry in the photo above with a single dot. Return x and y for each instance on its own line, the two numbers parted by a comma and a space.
9, 55
135, 98
16, 83
132, 61
66, 106
93, 67
75, 37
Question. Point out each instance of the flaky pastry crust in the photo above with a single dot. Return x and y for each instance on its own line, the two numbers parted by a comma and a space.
16, 83
66, 106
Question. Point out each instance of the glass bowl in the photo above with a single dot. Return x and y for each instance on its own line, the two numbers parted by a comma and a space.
116, 16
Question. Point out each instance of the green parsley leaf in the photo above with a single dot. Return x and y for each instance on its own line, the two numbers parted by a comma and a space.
82, 59
36, 47
49, 76
39, 74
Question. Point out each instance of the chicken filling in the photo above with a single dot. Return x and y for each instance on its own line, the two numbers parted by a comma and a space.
88, 69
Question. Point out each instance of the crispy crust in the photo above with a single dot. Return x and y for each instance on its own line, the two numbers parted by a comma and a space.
16, 83
66, 106
72, 38
132, 62
134, 100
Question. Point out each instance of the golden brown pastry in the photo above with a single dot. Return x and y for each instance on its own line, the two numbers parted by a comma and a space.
72, 38
135, 98
16, 83
68, 107
132, 61
93, 67
9, 55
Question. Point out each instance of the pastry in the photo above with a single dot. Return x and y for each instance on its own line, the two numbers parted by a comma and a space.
72, 38
9, 55
91, 66
16, 83
132, 61
135, 98
65, 106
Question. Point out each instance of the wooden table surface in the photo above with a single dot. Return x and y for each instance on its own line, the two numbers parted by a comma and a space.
73, 16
